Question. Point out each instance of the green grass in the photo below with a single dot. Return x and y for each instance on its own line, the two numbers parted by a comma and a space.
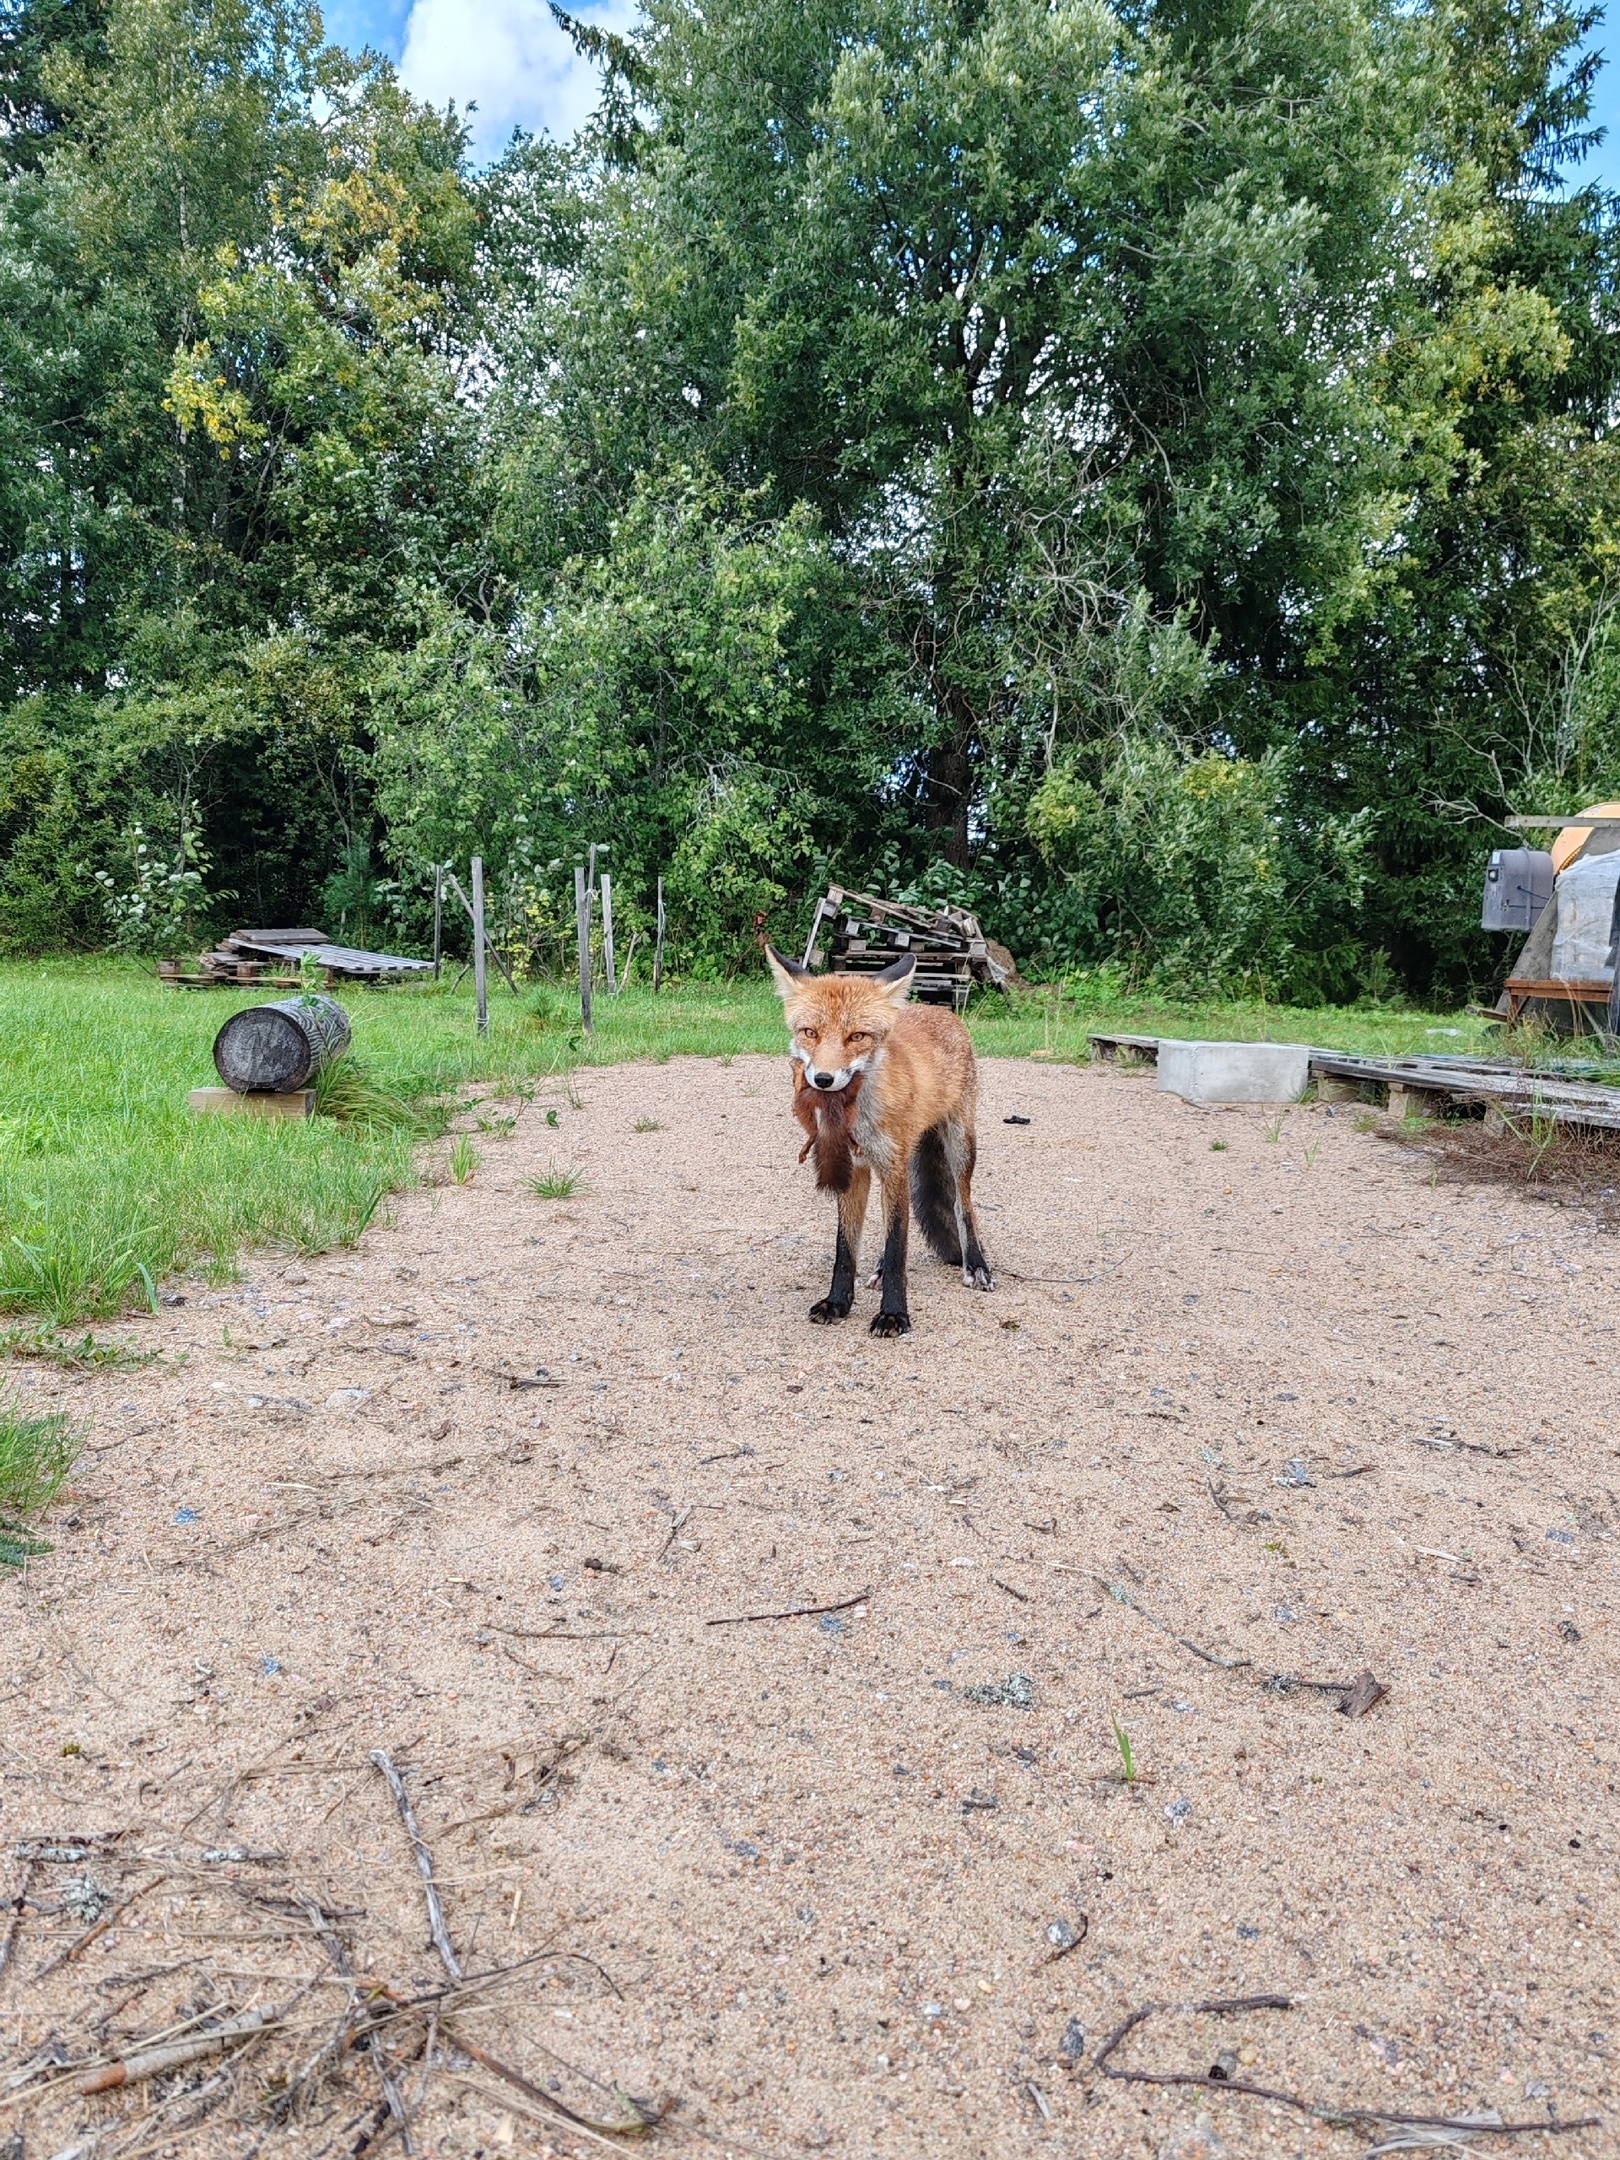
553, 1183
36, 1454
1127, 1757
108, 1184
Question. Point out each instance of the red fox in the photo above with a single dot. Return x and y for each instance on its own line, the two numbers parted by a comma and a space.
887, 1089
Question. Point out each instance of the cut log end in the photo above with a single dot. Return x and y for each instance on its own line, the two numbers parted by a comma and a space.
277, 1049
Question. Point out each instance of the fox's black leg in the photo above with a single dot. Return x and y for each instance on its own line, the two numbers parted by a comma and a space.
961, 1153
835, 1305
892, 1317
846, 1252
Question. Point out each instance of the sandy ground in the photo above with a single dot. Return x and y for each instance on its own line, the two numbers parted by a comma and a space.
823, 1866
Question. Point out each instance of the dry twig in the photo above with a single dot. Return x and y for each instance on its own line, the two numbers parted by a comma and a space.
1337, 2114
794, 1612
424, 1863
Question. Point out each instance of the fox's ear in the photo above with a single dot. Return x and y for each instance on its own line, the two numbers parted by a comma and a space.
896, 978
787, 974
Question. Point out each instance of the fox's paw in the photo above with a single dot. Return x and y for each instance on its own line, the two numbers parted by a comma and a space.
978, 1278
891, 1323
826, 1310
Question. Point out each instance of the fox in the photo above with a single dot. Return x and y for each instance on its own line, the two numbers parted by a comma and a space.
886, 1089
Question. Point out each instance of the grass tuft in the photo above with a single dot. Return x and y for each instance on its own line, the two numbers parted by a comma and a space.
464, 1159
36, 1454
346, 1091
1127, 1759
554, 1183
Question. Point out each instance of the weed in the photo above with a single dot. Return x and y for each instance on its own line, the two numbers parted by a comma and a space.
36, 1454
1367, 1121
553, 1183
1274, 1129
464, 1159
646, 1124
1219, 1147
360, 1222
551, 1119
66, 1269
346, 1091
1127, 1759
1311, 1154
502, 1128
45, 1346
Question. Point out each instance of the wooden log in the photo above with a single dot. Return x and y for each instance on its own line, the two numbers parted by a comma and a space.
276, 1049
658, 948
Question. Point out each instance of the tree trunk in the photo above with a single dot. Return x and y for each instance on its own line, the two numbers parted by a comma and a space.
948, 790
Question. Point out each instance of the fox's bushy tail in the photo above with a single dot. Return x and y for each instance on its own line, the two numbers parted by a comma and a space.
933, 1196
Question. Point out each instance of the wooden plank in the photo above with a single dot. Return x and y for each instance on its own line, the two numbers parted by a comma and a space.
1107, 1047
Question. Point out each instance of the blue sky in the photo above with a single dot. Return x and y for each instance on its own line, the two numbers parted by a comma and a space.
507, 56
510, 57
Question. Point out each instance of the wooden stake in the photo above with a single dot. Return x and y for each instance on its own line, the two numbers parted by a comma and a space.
658, 948
438, 917
582, 920
480, 972
607, 935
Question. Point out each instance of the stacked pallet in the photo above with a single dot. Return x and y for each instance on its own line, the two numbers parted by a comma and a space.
856, 934
273, 959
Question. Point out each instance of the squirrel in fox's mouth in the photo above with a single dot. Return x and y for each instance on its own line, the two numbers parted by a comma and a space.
828, 1117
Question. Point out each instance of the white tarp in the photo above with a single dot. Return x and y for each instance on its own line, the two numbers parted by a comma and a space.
1584, 897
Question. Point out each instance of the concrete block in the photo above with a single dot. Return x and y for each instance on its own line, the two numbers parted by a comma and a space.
1333, 1087
1216, 1072
225, 1102
1414, 1102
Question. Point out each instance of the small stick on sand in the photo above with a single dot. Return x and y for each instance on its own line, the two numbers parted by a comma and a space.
677, 1525
107, 1920
794, 1612
153, 2062
424, 1863
19, 1904
1337, 2112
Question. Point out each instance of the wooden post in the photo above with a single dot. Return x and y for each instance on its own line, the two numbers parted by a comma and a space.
658, 948
438, 917
607, 935
582, 921
480, 972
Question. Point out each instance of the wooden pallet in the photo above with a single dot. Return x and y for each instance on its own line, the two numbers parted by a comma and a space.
858, 934
1426, 1086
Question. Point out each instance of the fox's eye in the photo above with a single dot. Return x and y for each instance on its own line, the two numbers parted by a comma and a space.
859, 1035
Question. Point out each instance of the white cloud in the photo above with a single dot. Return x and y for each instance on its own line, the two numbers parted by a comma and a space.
510, 58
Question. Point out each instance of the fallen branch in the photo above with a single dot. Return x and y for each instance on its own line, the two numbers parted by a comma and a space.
645, 2117
1359, 1695
153, 2062
1122, 1596
424, 1863
1339, 2114
19, 1905
794, 1612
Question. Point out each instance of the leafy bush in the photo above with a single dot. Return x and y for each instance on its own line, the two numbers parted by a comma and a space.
1202, 872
